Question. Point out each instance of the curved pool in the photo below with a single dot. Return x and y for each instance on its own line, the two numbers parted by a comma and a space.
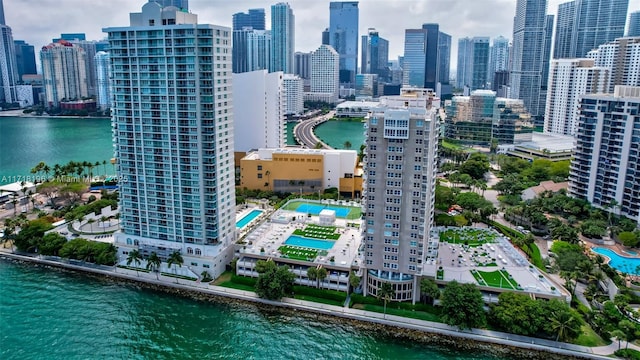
629, 265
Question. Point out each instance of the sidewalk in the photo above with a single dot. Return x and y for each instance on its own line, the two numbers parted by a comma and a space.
480, 335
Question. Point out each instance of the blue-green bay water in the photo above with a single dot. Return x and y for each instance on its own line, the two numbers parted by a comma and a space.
336, 132
25, 141
54, 315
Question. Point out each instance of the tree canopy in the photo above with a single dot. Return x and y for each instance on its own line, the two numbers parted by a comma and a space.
462, 306
275, 282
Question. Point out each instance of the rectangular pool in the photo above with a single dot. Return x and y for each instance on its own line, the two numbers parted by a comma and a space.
248, 218
296, 240
314, 209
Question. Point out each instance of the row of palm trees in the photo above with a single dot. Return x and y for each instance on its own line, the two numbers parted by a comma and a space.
71, 168
154, 261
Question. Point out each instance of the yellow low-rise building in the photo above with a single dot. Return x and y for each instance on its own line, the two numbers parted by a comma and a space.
301, 170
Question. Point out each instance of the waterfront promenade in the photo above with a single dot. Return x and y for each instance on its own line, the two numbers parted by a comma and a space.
480, 335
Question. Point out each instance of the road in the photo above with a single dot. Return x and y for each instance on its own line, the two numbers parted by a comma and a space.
303, 131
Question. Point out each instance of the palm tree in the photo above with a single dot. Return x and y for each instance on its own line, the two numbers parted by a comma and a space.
96, 164
312, 274
385, 292
91, 221
619, 335
153, 263
563, 323
347, 144
321, 275
103, 219
15, 204
175, 259
134, 257
104, 168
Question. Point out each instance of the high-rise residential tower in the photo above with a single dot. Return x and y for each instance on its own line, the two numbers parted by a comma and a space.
103, 76
583, 25
604, 170
254, 19
25, 58
375, 54
498, 57
302, 66
173, 136
398, 202
634, 24
620, 57
64, 72
473, 62
282, 38
444, 57
569, 79
8, 68
528, 53
325, 74
294, 94
343, 37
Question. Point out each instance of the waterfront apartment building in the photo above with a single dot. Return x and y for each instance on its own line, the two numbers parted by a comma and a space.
64, 72
583, 25
530, 52
325, 75
8, 67
173, 125
103, 79
634, 24
282, 38
569, 79
398, 202
307, 170
343, 37
294, 94
259, 107
621, 57
606, 163
375, 54
483, 118
473, 62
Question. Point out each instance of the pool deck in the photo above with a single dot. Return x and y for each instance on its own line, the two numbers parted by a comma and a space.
270, 235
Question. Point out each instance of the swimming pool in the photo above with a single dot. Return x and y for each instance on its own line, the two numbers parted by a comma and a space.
248, 218
296, 240
621, 263
314, 209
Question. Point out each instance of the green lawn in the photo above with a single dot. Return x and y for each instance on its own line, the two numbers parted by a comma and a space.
298, 253
414, 314
318, 232
354, 213
498, 279
588, 337
318, 300
471, 237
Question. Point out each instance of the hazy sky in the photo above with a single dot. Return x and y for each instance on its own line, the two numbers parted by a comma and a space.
38, 21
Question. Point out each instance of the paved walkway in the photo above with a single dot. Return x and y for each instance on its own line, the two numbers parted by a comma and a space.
345, 312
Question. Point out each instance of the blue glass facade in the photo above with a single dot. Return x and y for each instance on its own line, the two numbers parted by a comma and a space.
343, 37
282, 38
254, 19
415, 51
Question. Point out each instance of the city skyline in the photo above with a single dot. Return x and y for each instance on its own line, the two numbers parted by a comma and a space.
458, 18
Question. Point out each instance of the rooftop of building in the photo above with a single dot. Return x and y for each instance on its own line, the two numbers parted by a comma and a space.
550, 142
265, 154
357, 104
534, 191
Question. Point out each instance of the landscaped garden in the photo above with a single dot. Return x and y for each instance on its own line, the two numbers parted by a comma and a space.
500, 279
318, 232
298, 253
468, 236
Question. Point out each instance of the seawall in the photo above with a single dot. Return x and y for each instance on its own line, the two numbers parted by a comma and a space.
362, 320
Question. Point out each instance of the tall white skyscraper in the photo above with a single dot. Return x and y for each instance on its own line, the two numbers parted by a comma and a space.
569, 79
398, 201
621, 58
64, 72
259, 105
604, 170
294, 93
325, 72
173, 135
103, 79
283, 38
